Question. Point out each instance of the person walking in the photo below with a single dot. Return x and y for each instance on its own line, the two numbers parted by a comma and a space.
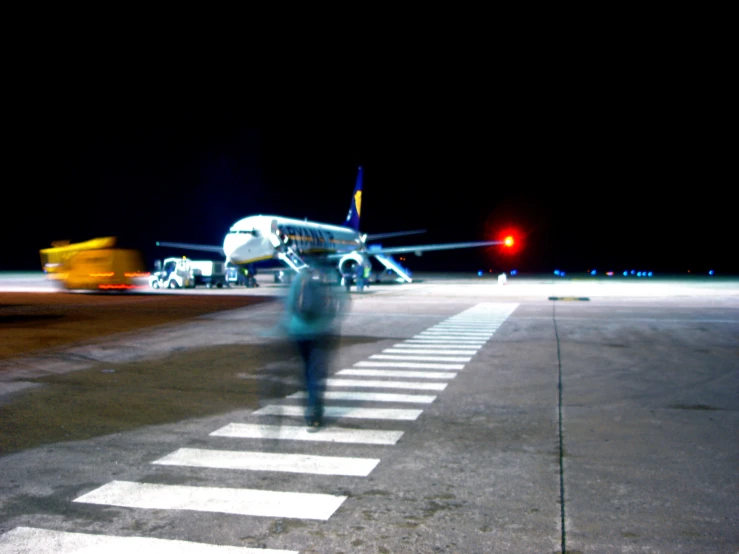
311, 316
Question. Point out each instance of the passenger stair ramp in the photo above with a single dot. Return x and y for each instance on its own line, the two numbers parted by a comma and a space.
291, 258
390, 263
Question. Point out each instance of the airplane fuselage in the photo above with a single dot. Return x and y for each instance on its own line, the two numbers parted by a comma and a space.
256, 238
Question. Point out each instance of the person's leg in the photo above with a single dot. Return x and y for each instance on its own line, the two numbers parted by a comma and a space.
318, 372
312, 354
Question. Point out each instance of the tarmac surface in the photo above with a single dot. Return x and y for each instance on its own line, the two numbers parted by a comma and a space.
543, 415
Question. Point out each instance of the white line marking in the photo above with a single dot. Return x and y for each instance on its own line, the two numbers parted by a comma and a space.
432, 345
384, 384
428, 351
248, 502
268, 461
391, 373
328, 434
371, 396
343, 411
458, 342
470, 324
466, 327
410, 357
28, 539
410, 365
461, 329
467, 334
448, 336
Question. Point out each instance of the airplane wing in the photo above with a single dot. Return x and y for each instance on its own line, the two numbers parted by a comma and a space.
429, 247
397, 234
202, 247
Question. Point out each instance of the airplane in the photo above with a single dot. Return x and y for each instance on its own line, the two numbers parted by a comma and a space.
301, 243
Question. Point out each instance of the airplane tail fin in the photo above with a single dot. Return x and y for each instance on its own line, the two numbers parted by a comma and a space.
355, 208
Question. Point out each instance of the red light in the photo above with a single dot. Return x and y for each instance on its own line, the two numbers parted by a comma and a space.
508, 241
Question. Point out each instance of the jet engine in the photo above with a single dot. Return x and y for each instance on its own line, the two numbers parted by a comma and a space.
348, 264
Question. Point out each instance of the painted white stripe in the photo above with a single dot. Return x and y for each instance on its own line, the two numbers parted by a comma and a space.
268, 461
28, 539
391, 373
429, 351
470, 324
343, 411
458, 342
409, 365
460, 328
410, 357
474, 323
452, 346
455, 328
247, 502
449, 337
328, 434
471, 334
363, 383
371, 396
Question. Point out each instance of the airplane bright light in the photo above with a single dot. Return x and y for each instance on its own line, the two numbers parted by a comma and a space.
508, 241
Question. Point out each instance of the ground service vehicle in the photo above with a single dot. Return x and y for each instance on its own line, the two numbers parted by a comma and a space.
94, 265
177, 273
241, 275
210, 274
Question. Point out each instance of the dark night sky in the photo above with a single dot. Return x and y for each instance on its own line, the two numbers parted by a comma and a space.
613, 166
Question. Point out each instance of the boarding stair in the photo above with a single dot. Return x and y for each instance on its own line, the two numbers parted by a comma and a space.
390, 263
291, 258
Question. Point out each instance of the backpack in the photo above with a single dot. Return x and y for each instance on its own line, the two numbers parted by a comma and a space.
313, 298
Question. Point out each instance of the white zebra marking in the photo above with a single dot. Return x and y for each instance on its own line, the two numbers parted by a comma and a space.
247, 502
343, 411
292, 432
364, 383
399, 373
409, 365
429, 351
371, 396
29, 539
268, 461
409, 356
433, 346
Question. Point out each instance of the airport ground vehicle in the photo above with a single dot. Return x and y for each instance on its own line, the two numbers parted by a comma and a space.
94, 265
241, 275
176, 273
